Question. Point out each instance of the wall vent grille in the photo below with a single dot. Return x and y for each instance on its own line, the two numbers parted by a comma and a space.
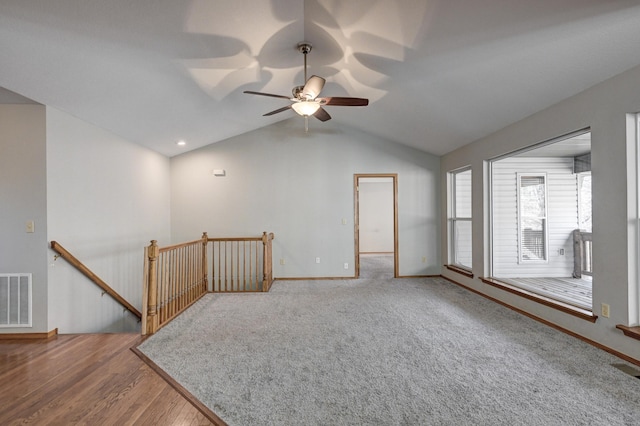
15, 300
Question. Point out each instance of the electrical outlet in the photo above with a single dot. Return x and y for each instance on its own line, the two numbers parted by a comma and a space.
346, 265
282, 261
344, 221
605, 310
317, 260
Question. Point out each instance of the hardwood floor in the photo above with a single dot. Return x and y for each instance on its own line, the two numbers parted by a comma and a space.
87, 379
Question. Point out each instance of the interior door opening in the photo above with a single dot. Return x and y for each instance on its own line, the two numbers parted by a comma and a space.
376, 243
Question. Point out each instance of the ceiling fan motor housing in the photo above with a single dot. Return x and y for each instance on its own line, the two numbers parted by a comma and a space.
304, 47
297, 92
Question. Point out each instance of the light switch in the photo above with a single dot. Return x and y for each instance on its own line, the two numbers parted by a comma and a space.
30, 227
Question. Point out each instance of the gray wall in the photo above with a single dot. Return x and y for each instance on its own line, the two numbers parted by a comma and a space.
107, 198
23, 197
300, 186
604, 108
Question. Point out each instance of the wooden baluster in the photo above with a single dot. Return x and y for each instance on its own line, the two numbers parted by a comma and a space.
183, 279
257, 270
219, 286
238, 265
250, 265
205, 278
166, 288
190, 281
166, 283
268, 261
187, 275
264, 262
175, 274
172, 286
162, 289
244, 265
145, 292
152, 303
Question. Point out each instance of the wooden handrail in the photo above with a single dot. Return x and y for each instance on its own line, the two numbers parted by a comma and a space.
238, 238
55, 246
177, 246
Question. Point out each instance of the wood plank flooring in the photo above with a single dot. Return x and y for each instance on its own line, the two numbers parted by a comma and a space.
574, 291
86, 379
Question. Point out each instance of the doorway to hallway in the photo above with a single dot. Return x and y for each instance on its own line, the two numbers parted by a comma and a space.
376, 225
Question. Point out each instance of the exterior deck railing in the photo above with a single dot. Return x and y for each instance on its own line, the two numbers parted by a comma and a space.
582, 254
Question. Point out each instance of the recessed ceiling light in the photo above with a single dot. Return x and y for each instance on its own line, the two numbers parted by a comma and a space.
181, 143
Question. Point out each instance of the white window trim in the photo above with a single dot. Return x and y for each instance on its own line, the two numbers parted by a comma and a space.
453, 218
545, 218
580, 179
633, 131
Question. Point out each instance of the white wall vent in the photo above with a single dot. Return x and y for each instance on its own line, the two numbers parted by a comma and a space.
15, 300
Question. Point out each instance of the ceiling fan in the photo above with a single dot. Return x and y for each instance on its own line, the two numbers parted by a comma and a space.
305, 100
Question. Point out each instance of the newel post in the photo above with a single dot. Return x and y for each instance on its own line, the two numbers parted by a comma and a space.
267, 266
152, 303
205, 276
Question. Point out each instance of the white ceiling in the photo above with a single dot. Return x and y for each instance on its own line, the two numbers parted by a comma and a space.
439, 73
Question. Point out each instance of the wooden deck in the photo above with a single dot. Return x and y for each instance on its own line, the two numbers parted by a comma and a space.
86, 379
573, 291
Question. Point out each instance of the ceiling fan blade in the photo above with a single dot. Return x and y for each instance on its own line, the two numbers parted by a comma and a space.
277, 110
322, 115
342, 101
313, 87
250, 92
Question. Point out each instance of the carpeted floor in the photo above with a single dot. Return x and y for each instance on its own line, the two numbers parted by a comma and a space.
380, 351
374, 266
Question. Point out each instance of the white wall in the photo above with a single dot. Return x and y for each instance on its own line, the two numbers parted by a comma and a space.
604, 108
375, 207
22, 198
300, 186
107, 198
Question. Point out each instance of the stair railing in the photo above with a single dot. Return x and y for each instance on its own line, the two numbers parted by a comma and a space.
177, 276
64, 253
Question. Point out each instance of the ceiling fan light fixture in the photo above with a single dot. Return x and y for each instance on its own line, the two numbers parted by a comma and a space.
305, 100
306, 108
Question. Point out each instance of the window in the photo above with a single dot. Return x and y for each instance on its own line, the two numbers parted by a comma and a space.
540, 226
532, 217
460, 218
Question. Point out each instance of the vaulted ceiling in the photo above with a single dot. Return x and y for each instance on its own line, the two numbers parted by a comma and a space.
438, 73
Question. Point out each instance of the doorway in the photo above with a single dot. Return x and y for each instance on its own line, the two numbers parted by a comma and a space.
376, 225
